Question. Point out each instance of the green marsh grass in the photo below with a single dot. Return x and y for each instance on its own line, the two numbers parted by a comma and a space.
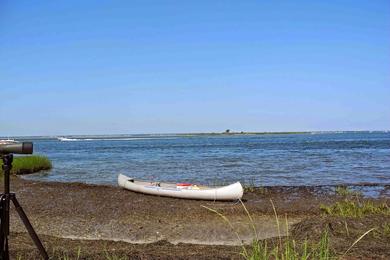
345, 191
355, 208
29, 164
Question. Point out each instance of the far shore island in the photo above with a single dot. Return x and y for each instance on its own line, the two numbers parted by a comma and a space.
227, 132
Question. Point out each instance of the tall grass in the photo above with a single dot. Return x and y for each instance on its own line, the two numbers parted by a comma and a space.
357, 240
29, 164
286, 247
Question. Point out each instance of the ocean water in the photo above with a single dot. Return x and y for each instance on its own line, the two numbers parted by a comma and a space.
273, 159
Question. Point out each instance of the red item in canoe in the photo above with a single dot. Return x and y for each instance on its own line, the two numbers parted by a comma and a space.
183, 184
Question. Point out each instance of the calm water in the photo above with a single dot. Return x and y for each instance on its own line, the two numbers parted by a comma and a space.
302, 159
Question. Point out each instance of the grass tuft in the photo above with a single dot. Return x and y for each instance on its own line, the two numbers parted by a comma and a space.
29, 164
345, 191
352, 208
386, 229
113, 256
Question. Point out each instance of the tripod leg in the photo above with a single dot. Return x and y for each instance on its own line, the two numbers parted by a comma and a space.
29, 228
4, 210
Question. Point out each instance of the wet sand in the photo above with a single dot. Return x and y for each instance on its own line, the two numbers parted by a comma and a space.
106, 219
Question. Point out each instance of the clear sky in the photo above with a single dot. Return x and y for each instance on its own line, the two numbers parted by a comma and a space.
109, 67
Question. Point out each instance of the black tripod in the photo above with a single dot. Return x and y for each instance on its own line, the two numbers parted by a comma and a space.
5, 199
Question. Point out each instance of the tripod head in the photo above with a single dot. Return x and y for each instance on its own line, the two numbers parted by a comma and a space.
6, 154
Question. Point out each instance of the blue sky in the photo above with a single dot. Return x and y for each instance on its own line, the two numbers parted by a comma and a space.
109, 67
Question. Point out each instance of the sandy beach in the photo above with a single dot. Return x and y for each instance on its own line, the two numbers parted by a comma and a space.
100, 220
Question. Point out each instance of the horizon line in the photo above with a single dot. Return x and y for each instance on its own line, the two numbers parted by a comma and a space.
204, 133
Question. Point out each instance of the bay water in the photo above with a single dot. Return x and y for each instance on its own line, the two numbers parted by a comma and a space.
263, 159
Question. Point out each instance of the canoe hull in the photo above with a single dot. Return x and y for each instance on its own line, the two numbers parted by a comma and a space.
230, 192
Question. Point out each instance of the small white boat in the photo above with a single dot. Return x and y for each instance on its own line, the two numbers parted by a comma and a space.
182, 190
65, 139
7, 141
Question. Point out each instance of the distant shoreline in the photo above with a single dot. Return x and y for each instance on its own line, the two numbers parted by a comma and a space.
190, 134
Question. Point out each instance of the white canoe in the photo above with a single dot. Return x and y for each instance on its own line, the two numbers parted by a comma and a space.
231, 192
